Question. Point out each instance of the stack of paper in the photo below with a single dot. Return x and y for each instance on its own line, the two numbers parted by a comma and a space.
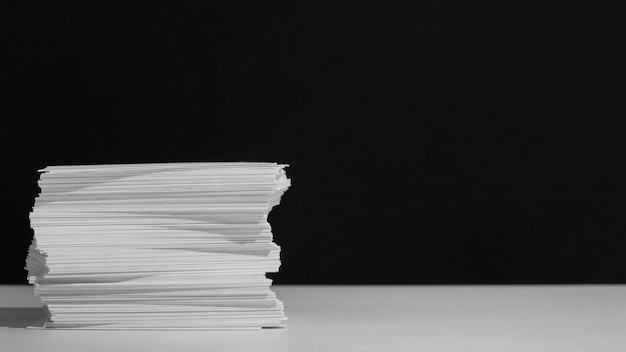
157, 246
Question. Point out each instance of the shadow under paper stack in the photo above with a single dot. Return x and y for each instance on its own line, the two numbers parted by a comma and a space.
157, 246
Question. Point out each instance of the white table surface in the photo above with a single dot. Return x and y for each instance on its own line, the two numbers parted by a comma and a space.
370, 318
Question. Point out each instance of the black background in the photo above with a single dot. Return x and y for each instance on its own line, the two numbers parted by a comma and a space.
429, 141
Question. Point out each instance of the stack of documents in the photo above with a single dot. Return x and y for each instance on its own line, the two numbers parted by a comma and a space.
157, 246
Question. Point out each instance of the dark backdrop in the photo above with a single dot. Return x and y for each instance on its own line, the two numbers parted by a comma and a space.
429, 141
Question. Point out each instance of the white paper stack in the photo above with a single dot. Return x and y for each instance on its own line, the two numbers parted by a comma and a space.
157, 246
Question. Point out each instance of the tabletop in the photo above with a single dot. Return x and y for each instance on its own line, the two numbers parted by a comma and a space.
370, 318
